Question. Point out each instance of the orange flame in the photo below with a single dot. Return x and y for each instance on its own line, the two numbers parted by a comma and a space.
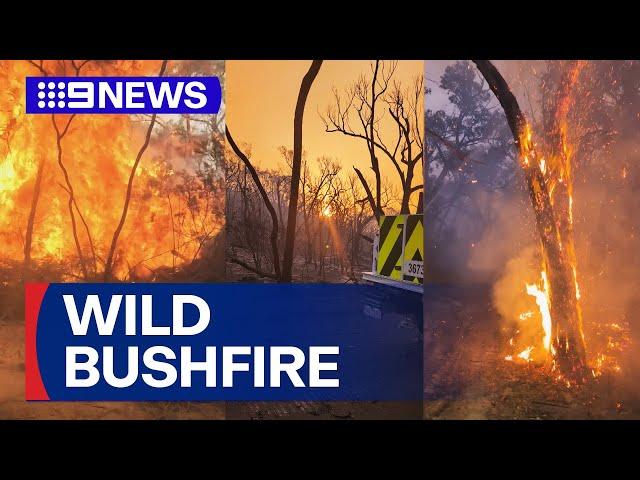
542, 300
98, 152
557, 179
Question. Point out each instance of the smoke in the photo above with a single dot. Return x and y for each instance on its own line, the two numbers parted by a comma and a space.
478, 230
507, 231
607, 250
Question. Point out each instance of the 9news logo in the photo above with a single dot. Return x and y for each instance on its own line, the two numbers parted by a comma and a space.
127, 95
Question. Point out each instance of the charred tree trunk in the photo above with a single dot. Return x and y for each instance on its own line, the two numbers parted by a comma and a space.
372, 150
566, 336
377, 211
308, 250
289, 245
267, 203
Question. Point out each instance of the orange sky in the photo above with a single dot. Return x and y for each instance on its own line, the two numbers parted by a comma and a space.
260, 102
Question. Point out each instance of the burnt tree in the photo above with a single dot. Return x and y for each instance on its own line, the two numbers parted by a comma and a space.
366, 103
269, 206
290, 237
283, 272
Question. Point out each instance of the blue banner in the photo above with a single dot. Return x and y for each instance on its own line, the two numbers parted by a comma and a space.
127, 95
202, 342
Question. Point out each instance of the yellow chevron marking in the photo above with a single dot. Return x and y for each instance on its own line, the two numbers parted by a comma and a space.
414, 244
386, 248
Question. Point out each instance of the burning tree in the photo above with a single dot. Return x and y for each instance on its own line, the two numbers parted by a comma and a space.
81, 199
547, 283
549, 178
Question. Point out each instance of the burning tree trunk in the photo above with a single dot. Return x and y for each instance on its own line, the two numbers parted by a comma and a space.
560, 179
552, 202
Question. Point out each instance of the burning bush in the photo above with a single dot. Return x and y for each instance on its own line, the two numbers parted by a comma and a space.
63, 181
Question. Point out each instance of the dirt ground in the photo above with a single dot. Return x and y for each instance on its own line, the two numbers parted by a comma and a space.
467, 377
14, 406
324, 410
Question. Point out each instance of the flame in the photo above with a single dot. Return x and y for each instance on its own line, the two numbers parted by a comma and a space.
575, 280
526, 315
98, 152
542, 300
571, 211
526, 354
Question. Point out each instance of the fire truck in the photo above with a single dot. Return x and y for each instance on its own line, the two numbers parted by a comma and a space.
398, 252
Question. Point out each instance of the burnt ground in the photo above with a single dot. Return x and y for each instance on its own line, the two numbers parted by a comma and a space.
302, 272
466, 376
14, 406
324, 410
